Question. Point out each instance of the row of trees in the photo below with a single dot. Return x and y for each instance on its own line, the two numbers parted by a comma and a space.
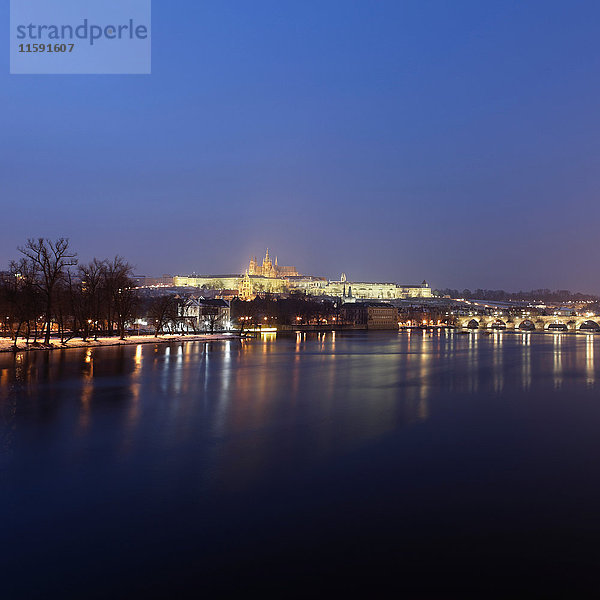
46, 290
295, 310
543, 295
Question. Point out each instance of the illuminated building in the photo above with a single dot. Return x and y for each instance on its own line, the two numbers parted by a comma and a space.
364, 290
201, 314
270, 277
270, 270
375, 315
254, 284
246, 289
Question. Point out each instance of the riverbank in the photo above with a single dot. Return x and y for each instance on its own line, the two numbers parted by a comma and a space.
7, 345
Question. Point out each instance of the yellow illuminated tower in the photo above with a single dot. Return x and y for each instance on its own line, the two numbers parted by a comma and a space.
252, 270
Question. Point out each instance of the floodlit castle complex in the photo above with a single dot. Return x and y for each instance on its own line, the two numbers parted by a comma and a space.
271, 277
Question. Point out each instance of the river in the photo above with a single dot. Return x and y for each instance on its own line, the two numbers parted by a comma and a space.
438, 465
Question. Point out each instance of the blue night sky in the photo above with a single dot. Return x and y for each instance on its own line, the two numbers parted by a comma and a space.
392, 140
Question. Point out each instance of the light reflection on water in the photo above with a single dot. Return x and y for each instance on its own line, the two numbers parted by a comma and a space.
371, 384
557, 359
347, 389
526, 360
330, 392
589, 359
409, 350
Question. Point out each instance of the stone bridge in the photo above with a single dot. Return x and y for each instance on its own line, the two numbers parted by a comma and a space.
533, 323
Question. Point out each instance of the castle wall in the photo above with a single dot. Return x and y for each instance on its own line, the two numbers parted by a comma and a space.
371, 291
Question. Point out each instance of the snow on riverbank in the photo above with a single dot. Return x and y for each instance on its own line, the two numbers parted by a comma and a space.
7, 345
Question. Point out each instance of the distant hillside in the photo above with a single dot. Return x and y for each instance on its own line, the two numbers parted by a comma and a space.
543, 295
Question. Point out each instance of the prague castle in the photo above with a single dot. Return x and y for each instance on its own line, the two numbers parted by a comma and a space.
268, 269
273, 278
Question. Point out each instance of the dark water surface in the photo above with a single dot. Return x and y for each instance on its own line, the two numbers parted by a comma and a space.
438, 465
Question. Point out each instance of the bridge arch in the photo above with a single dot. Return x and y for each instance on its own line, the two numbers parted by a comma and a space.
589, 325
556, 326
527, 325
473, 324
498, 324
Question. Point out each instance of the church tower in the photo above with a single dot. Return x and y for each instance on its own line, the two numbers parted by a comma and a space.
267, 266
246, 292
270, 269
252, 267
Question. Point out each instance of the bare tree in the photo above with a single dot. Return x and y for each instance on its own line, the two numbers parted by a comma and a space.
91, 292
213, 318
160, 312
51, 261
122, 297
22, 297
